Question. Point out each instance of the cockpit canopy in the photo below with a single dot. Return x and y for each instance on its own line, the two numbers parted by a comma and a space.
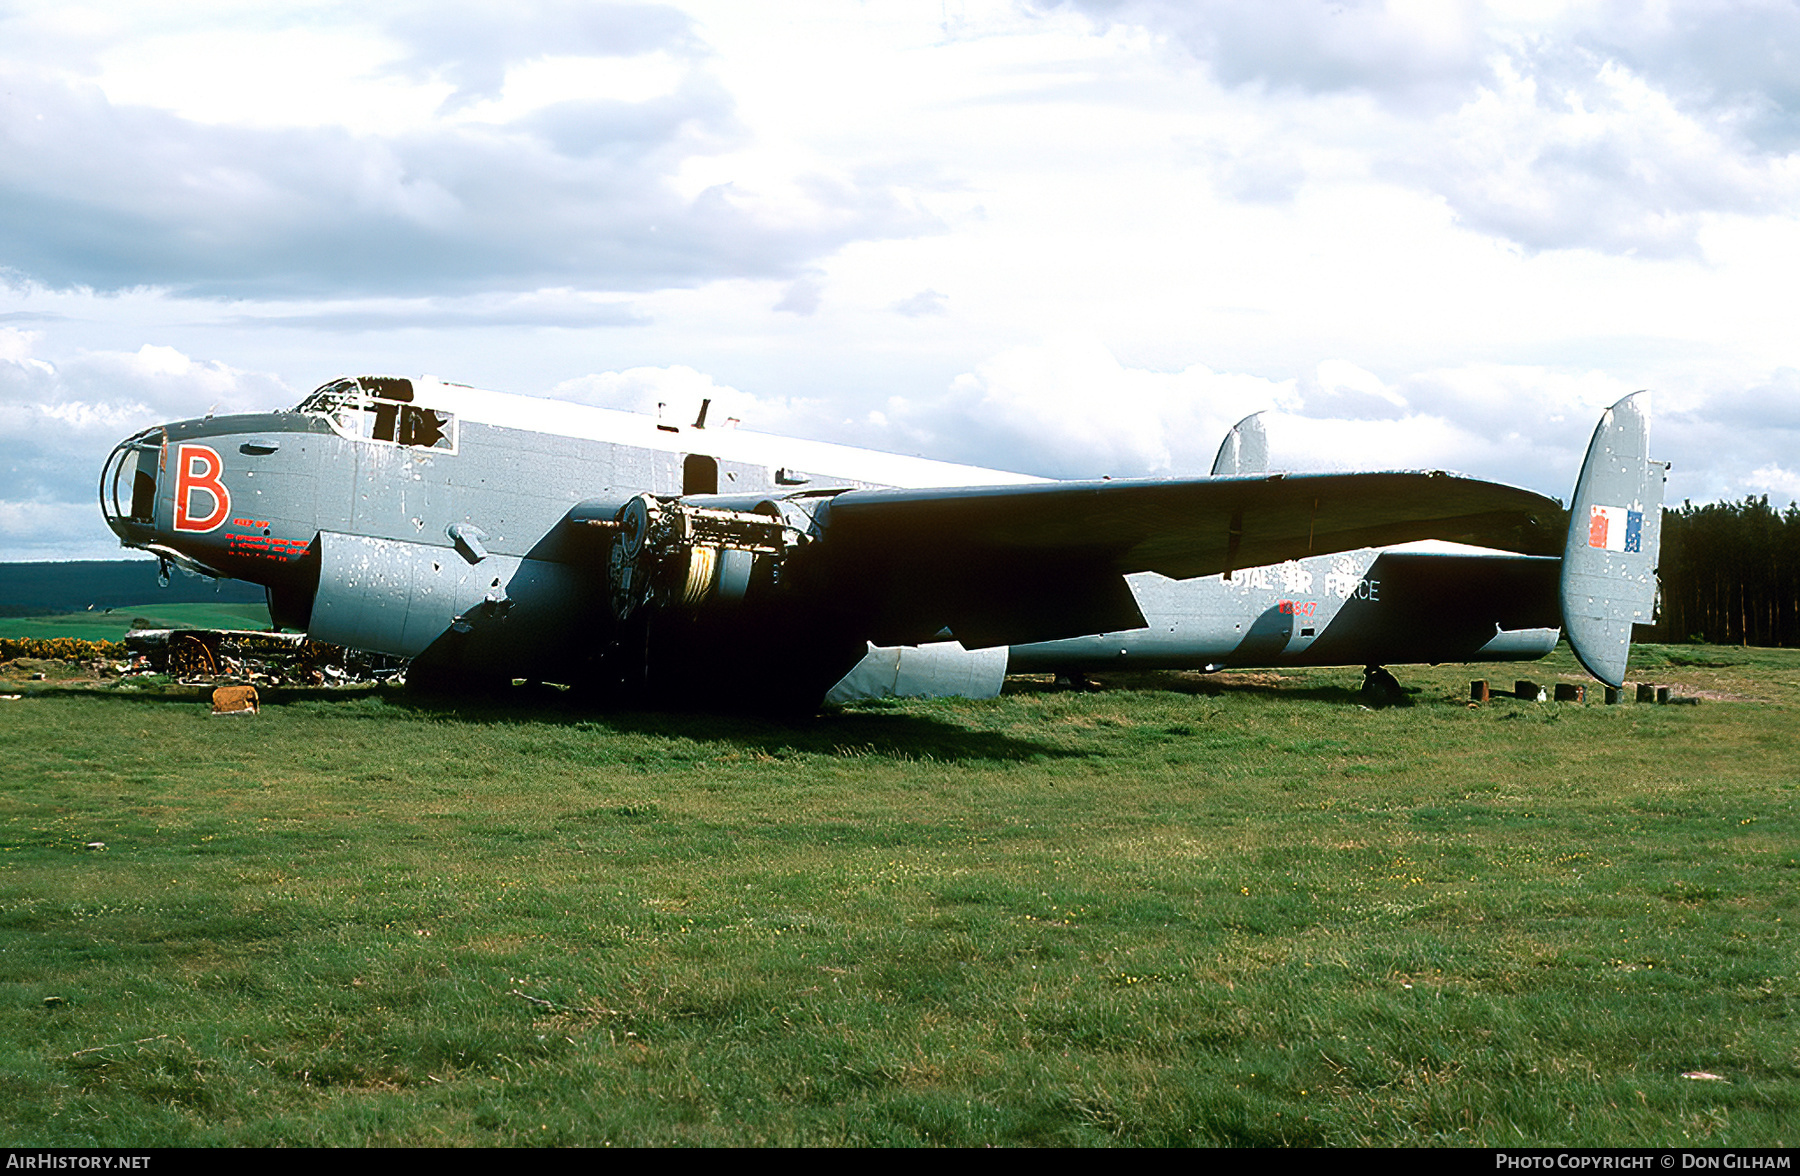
381, 409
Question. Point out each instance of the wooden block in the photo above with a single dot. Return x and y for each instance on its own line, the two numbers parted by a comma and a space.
235, 700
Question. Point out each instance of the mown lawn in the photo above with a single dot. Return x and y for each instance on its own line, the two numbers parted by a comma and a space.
1236, 910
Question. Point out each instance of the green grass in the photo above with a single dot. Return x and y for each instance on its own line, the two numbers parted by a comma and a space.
113, 625
1237, 910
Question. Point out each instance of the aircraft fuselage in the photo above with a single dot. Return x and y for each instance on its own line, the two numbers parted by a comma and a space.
471, 532
1374, 606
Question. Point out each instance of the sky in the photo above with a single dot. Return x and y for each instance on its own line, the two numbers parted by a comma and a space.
1072, 238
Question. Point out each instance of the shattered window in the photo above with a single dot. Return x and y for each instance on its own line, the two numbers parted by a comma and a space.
327, 399
380, 408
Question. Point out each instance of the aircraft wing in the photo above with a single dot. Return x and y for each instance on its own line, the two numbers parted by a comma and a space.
1013, 564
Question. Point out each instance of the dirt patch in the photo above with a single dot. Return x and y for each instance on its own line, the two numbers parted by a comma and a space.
1230, 677
25, 669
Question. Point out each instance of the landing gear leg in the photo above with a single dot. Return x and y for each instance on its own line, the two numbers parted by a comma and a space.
1074, 680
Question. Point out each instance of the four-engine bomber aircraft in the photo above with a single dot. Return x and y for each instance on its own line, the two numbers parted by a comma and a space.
492, 537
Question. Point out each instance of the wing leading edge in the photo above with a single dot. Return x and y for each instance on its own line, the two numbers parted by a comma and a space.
1016, 564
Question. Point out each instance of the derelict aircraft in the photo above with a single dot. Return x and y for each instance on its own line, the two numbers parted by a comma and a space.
492, 537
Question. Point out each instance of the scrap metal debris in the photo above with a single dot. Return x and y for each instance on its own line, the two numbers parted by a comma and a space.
204, 656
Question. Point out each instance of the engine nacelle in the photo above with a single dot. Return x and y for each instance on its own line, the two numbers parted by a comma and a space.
675, 555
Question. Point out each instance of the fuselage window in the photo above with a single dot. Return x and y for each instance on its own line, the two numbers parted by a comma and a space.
407, 424
700, 474
392, 416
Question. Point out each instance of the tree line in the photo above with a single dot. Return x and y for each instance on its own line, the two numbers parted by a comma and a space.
1730, 574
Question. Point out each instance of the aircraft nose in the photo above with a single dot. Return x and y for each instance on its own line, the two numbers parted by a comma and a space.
128, 486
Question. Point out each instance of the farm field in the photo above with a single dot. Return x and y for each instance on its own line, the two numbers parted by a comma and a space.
1233, 910
114, 624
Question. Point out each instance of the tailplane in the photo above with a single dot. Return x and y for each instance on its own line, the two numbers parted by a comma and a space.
1615, 539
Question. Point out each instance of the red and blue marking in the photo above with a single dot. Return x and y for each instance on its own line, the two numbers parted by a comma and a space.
1616, 528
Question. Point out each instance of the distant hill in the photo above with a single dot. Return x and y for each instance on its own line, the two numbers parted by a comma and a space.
101, 625
39, 589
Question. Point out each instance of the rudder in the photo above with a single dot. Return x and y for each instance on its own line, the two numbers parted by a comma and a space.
1614, 541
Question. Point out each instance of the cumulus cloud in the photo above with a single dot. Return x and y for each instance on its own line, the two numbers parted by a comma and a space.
923, 303
538, 308
1733, 59
1778, 482
1068, 408
801, 296
47, 530
1611, 164
59, 420
1735, 441
1405, 52
1771, 404
1340, 389
471, 43
675, 393
1255, 173
1619, 127
587, 192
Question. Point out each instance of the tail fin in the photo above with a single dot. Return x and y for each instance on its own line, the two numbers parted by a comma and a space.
1615, 538
1245, 450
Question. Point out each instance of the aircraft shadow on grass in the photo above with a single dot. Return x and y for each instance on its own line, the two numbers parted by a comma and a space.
856, 732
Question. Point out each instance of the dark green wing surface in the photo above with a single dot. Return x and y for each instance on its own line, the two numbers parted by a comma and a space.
1011, 564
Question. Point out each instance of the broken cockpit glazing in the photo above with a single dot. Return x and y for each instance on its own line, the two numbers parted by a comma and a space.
381, 409
140, 459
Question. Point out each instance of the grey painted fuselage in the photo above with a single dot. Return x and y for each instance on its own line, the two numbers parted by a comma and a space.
469, 530
1367, 607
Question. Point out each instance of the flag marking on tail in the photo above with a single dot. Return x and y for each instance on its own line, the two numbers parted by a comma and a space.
1616, 528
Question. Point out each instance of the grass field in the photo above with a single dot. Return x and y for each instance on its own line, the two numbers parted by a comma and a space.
1237, 910
113, 625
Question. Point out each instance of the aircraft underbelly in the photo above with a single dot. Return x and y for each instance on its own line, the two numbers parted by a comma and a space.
1357, 608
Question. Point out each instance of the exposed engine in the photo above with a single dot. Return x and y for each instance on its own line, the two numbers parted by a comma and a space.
675, 555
